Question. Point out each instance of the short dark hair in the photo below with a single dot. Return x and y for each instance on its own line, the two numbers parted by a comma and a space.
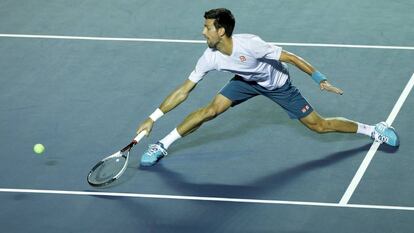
223, 19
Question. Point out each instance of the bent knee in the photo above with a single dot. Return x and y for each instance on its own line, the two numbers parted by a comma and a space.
320, 126
209, 112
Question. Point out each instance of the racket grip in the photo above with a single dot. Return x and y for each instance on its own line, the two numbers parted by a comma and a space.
140, 136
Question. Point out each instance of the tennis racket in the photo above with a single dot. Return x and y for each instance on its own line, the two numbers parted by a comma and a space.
112, 167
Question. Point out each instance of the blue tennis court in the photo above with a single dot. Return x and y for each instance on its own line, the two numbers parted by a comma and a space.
80, 76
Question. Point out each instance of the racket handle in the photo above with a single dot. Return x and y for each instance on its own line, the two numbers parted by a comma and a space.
140, 136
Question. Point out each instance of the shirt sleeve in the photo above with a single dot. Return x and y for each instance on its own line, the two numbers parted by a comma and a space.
204, 65
262, 49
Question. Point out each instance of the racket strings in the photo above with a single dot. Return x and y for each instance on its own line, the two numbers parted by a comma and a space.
112, 167
108, 170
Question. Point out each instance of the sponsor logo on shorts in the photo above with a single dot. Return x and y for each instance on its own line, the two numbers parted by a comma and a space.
305, 109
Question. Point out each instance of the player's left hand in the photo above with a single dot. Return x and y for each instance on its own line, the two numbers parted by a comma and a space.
325, 85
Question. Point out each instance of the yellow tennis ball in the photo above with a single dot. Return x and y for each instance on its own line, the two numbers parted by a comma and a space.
38, 148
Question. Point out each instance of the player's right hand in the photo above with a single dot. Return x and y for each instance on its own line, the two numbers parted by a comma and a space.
146, 125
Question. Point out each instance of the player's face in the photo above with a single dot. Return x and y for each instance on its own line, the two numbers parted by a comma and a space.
210, 33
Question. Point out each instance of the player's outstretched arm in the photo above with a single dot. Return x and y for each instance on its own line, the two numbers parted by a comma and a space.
303, 65
297, 61
175, 98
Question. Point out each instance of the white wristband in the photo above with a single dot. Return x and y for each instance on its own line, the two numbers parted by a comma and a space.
156, 114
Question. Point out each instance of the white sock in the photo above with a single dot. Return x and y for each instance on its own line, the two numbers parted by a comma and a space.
170, 138
365, 129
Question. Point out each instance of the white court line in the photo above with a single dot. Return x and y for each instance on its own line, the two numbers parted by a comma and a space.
364, 165
197, 198
198, 41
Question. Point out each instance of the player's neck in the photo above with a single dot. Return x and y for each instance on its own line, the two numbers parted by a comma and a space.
226, 46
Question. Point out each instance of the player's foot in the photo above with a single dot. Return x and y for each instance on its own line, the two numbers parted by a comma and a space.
384, 133
154, 153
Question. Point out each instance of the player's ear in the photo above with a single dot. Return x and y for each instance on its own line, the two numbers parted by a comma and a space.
221, 31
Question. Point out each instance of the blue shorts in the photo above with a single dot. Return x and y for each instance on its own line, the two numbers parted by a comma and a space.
287, 96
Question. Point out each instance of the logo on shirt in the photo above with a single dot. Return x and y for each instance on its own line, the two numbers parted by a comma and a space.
306, 108
242, 58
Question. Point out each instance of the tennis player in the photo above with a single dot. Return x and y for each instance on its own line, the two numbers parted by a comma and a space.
259, 68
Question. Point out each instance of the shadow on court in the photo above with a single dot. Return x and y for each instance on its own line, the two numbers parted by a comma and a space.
256, 188
252, 190
221, 213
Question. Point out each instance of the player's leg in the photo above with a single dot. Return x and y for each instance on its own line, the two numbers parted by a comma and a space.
290, 99
381, 132
194, 120
233, 93
191, 123
320, 124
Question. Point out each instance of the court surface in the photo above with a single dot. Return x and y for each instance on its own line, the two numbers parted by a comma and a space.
79, 77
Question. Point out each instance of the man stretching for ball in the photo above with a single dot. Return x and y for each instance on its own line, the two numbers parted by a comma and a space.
260, 69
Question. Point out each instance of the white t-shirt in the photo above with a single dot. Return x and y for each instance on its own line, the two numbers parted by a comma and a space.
252, 59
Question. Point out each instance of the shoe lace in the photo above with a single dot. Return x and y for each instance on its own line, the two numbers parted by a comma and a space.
378, 137
154, 148
381, 127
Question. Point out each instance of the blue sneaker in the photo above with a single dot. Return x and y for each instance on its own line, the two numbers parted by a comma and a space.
384, 133
154, 153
